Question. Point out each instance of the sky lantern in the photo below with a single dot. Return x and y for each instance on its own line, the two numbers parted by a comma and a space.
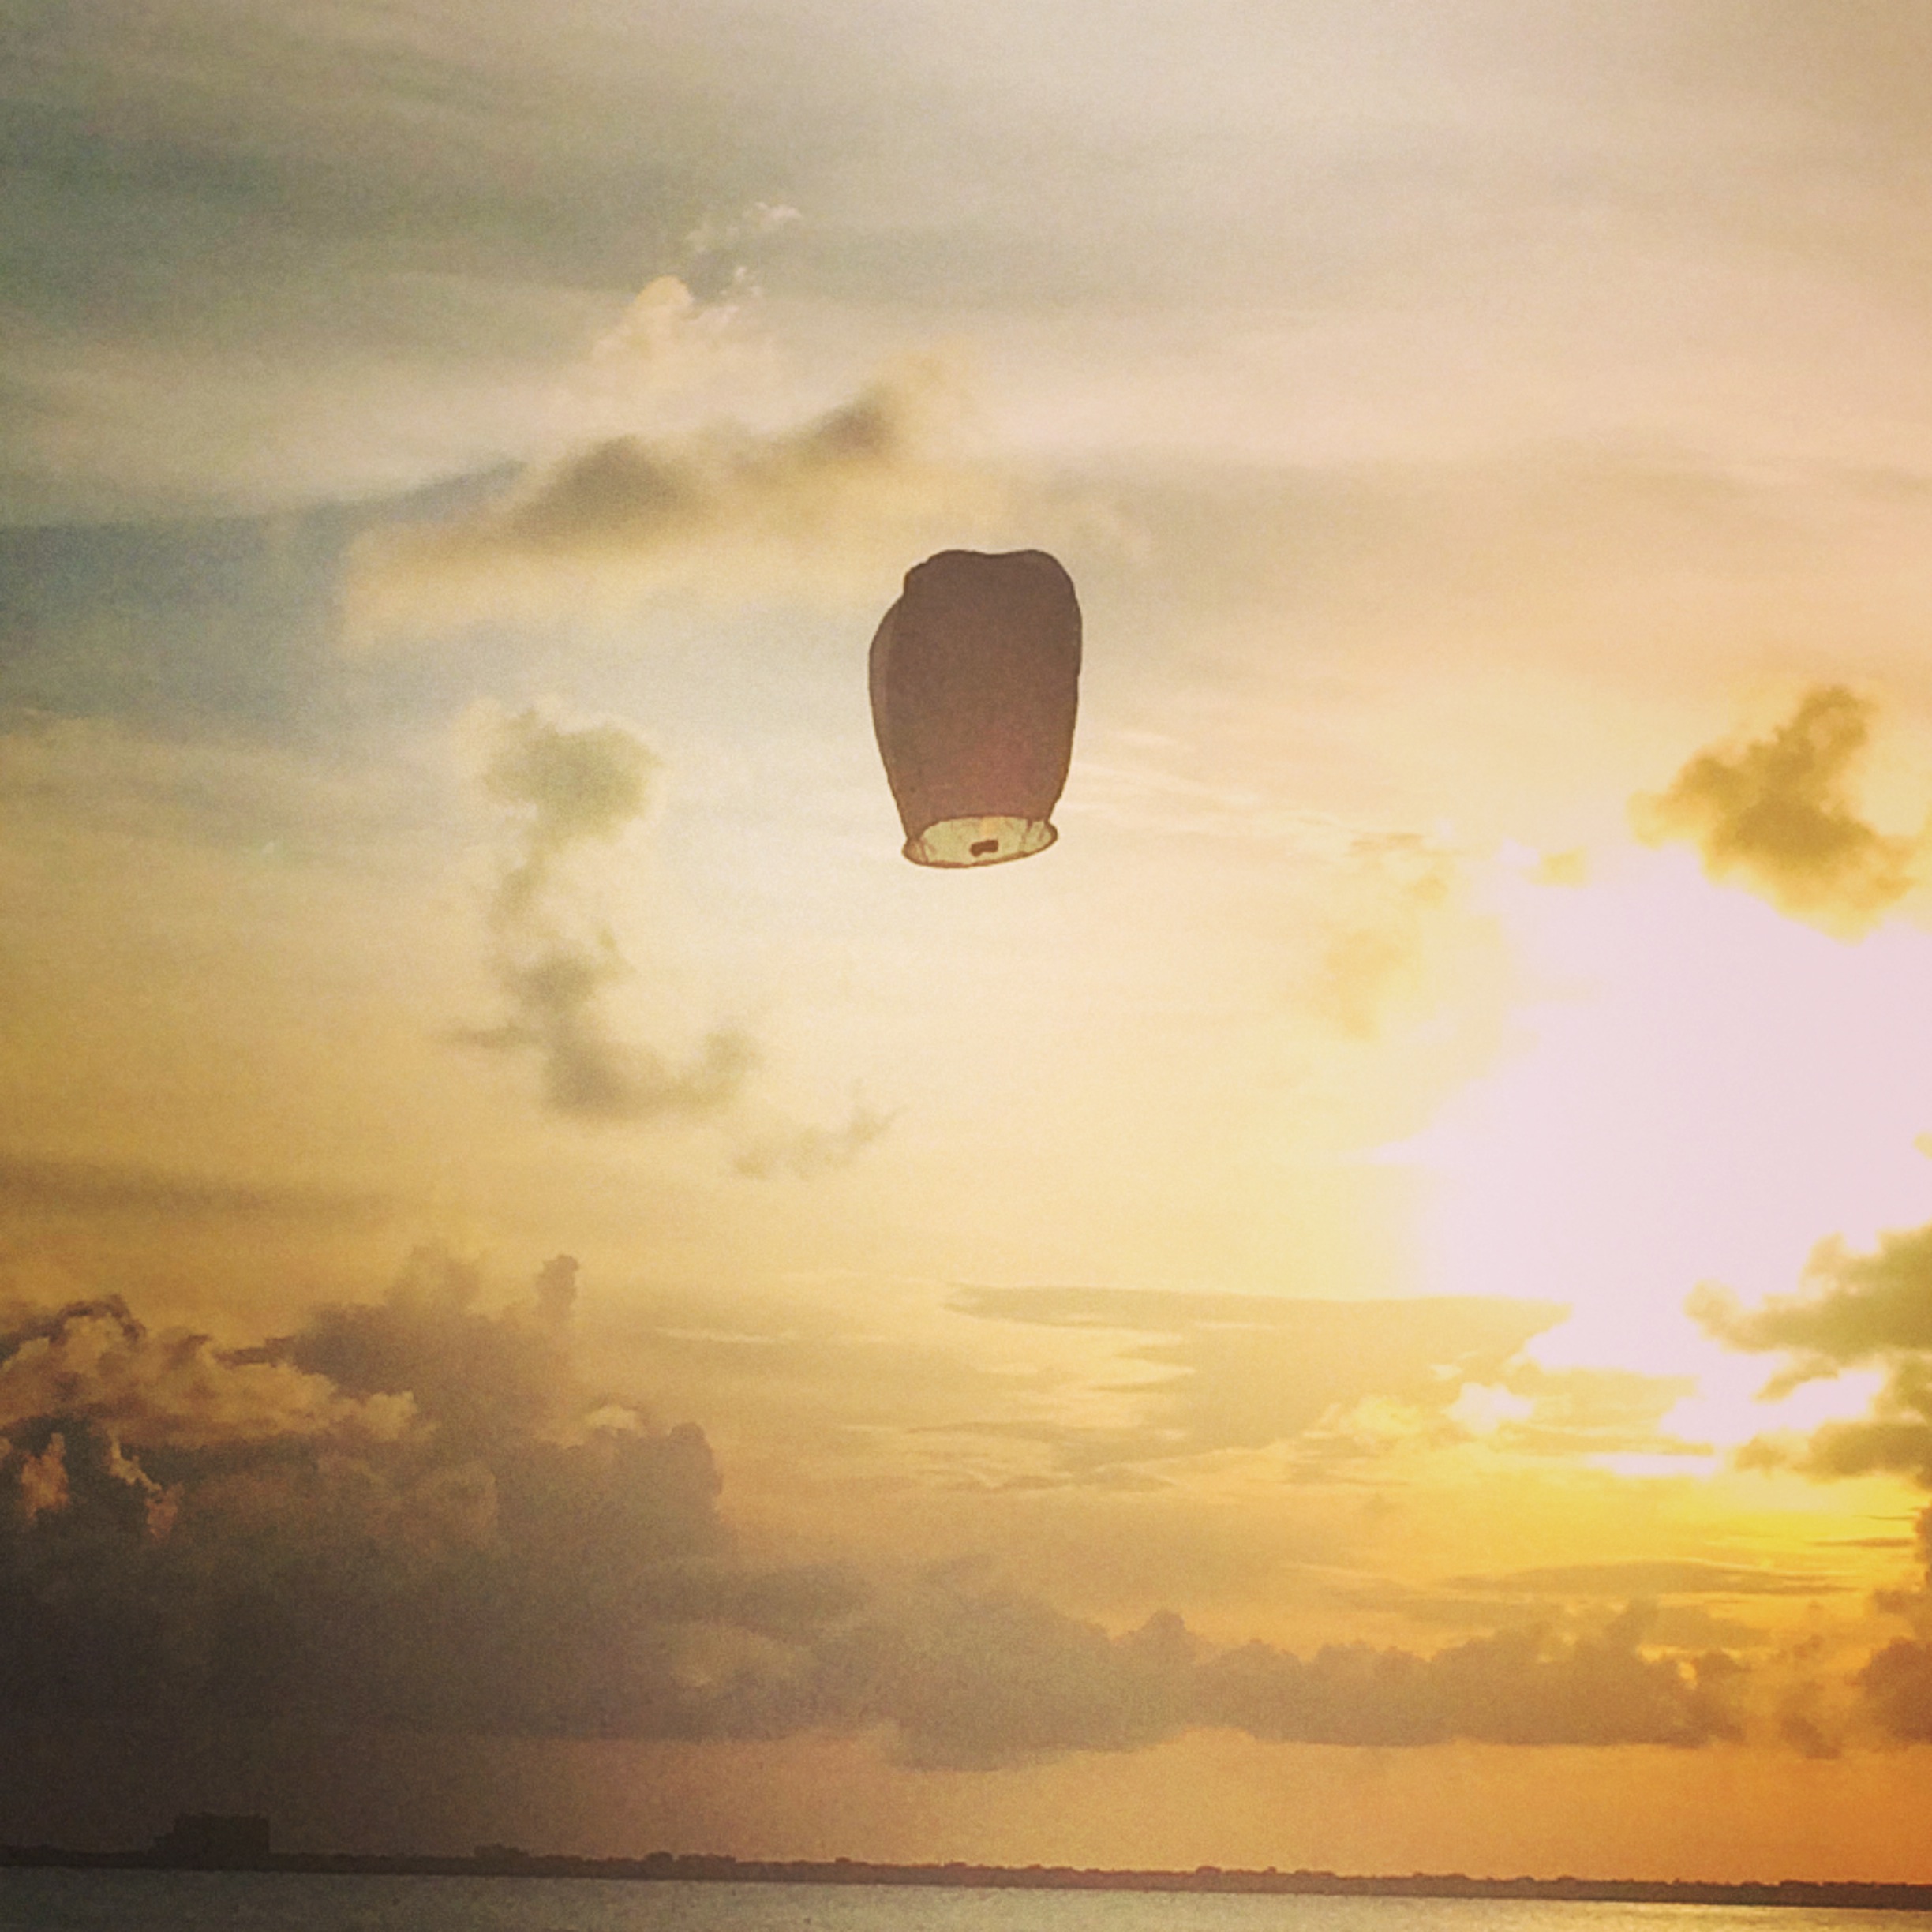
976, 678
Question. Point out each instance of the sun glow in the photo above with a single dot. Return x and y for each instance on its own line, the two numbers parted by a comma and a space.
1703, 1090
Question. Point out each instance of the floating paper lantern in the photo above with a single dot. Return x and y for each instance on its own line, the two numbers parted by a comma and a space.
976, 678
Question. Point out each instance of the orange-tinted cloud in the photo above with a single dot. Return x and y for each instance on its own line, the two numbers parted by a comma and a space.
1860, 1310
515, 1552
1248, 1370
1775, 815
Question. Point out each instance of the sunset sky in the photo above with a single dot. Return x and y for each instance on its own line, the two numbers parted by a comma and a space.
1371, 1308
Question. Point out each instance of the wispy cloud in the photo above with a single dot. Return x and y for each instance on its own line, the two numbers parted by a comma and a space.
806, 1152
1252, 1371
566, 787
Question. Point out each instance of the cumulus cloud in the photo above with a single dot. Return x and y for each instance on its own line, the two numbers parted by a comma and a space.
831, 504
1775, 815
566, 787
1516, 1688
969, 1676
409, 1513
1859, 1311
93, 1365
416, 1514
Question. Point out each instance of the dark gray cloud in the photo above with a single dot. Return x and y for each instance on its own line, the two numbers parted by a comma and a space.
972, 1677
566, 787
1776, 814
1518, 1687
407, 1514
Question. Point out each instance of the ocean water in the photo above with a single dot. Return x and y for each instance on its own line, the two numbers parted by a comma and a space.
112, 1901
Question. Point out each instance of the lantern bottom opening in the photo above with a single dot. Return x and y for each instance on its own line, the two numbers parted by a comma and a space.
958, 842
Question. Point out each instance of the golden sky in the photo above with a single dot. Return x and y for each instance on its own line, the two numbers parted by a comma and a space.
1371, 1308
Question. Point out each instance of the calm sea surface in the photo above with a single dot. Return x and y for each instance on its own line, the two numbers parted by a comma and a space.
73, 1901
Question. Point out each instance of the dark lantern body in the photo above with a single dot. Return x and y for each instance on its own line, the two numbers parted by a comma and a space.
975, 681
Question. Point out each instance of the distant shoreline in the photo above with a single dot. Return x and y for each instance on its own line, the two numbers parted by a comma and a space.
506, 1861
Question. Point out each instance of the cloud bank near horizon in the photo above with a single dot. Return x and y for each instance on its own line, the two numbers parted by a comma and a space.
416, 1515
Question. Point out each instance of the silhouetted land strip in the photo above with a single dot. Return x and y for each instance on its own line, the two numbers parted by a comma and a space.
506, 1861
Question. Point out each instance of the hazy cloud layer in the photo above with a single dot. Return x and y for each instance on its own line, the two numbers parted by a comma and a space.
1653, 1577
804, 1153
565, 787
838, 502
28, 1185
1571, 1412
415, 1515
1776, 815
1375, 967
1248, 1370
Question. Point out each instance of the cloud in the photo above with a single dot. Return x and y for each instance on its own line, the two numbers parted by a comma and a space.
1375, 966
1898, 1682
568, 787
1517, 1687
804, 1153
405, 1514
565, 787
1853, 1311
417, 1514
92, 1365
972, 1677
834, 504
1653, 1577
1568, 1412
1250, 1370
756, 223
1859, 1311
43, 1479
96, 1188
1774, 814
